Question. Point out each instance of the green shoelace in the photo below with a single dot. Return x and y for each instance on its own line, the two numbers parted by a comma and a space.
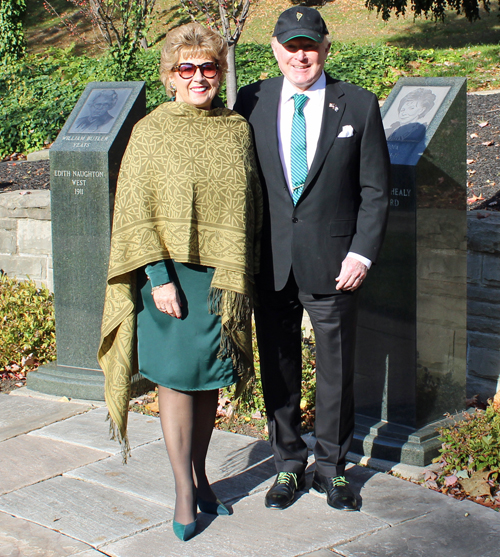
285, 477
339, 481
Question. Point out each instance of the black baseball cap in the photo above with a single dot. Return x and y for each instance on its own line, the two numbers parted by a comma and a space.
300, 21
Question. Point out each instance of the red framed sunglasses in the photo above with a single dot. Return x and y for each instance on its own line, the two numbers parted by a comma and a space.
187, 70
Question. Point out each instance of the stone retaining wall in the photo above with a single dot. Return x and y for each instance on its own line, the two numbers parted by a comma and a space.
25, 236
483, 297
25, 250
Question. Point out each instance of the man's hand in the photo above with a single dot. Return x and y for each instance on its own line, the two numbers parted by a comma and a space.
352, 274
167, 300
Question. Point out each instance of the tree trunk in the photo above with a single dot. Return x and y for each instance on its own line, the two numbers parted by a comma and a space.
231, 84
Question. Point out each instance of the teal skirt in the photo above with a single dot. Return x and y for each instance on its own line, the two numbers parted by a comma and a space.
181, 354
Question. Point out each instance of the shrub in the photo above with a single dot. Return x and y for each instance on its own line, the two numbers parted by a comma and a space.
38, 93
27, 324
472, 444
12, 43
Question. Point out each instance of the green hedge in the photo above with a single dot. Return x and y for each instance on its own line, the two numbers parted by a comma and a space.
38, 93
27, 324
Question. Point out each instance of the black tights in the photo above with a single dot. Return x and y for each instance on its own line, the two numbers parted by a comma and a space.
187, 421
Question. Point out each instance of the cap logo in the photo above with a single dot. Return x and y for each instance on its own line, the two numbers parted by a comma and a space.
299, 15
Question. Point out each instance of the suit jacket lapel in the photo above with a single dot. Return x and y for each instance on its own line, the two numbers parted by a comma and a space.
269, 126
332, 115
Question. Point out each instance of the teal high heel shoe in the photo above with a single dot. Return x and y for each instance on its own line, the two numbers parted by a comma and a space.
213, 508
184, 531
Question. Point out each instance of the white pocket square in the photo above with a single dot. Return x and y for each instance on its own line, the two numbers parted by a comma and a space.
347, 131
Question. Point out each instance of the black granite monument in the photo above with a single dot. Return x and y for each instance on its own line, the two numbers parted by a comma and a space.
411, 348
84, 164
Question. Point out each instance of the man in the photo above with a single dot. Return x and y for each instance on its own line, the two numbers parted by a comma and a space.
98, 115
324, 168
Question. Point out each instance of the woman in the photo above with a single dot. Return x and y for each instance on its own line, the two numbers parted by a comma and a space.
183, 253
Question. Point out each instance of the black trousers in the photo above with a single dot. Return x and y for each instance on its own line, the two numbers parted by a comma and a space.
278, 318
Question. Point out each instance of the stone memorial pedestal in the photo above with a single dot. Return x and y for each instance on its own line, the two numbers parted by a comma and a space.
84, 164
411, 347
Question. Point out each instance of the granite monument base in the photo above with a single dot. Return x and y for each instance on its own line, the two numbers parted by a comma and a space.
72, 382
398, 443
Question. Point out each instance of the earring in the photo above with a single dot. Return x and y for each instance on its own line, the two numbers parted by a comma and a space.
173, 88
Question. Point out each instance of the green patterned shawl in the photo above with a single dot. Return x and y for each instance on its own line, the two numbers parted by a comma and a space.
188, 190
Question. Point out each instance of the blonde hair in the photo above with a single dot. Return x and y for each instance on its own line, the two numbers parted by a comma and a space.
191, 39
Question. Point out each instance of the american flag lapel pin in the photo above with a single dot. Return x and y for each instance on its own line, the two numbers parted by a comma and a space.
334, 106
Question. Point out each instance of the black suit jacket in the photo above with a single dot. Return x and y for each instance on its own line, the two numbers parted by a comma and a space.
344, 204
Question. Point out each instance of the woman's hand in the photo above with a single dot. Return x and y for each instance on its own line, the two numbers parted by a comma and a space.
166, 299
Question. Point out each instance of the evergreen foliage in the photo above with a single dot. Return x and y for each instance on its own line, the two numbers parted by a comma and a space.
12, 43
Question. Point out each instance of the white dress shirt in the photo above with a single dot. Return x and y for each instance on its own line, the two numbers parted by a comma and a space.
313, 112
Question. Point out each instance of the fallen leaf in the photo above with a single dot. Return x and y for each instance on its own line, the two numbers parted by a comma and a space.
473, 135
493, 203
450, 481
483, 124
488, 143
472, 172
429, 475
477, 485
257, 415
474, 198
28, 361
471, 161
153, 407
462, 474
496, 402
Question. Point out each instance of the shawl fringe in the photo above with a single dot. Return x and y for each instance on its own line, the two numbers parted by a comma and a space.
235, 310
114, 434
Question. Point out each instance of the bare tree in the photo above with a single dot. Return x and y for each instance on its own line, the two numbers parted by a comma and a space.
122, 24
228, 18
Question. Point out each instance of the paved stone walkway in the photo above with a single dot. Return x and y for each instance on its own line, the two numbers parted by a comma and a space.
65, 492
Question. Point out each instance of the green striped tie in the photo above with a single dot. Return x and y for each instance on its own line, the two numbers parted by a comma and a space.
298, 161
